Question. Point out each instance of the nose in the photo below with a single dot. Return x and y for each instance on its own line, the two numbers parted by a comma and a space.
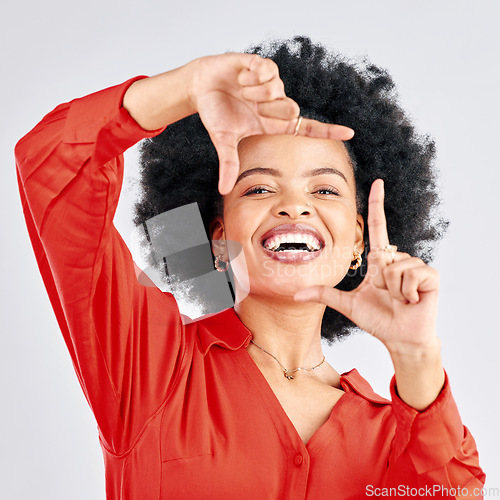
293, 207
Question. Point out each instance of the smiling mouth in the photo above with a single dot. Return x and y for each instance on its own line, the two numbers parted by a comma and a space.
292, 243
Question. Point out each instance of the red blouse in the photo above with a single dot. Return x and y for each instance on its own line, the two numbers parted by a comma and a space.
183, 411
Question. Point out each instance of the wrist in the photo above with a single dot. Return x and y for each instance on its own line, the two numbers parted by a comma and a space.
160, 100
417, 359
192, 72
415, 350
191, 76
419, 374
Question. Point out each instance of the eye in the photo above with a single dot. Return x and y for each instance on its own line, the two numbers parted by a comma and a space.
327, 191
257, 190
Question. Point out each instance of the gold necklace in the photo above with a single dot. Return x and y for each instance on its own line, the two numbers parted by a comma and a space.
288, 373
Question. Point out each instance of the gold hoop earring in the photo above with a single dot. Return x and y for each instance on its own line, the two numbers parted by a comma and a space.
359, 260
220, 264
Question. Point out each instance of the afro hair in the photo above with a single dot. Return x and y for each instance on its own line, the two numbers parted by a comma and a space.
180, 165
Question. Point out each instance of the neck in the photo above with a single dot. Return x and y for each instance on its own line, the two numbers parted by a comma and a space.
288, 330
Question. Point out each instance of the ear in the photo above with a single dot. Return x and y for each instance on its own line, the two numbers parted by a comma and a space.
217, 236
359, 243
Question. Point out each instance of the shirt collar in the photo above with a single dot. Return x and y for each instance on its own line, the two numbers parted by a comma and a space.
224, 329
352, 381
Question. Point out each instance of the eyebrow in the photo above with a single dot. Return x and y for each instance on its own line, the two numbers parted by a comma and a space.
325, 170
277, 173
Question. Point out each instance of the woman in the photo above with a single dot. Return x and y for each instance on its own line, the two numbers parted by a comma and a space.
242, 403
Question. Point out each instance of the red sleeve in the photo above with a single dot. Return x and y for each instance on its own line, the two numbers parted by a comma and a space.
433, 448
125, 340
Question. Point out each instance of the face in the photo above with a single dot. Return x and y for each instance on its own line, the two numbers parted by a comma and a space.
293, 214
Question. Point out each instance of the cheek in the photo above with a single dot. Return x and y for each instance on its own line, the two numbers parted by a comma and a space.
241, 220
235, 229
341, 222
239, 224
342, 226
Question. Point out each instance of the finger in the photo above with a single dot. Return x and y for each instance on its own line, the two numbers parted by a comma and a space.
265, 92
281, 109
377, 224
378, 262
393, 276
258, 70
332, 297
229, 161
417, 280
319, 130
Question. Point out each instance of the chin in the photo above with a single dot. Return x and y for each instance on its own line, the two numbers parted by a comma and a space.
276, 279
284, 286
302, 275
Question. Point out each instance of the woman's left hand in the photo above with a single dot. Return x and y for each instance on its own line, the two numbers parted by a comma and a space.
397, 300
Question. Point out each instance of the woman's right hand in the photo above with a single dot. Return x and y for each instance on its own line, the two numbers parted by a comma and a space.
239, 95
236, 95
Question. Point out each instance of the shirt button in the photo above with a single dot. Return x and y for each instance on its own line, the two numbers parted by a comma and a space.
298, 460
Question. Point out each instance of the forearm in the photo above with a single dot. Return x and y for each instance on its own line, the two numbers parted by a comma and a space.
419, 374
70, 170
160, 100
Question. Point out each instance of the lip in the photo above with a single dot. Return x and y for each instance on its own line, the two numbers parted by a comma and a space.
293, 257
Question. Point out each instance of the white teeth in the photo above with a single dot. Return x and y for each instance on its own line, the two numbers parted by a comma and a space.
311, 241
272, 246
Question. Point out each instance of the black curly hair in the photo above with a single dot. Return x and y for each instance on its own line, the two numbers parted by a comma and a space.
180, 166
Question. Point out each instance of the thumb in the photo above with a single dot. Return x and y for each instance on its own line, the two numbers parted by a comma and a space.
336, 299
229, 161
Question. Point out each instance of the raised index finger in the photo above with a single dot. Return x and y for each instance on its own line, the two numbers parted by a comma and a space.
377, 224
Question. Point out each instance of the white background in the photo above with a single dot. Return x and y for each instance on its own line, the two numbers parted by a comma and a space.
444, 57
